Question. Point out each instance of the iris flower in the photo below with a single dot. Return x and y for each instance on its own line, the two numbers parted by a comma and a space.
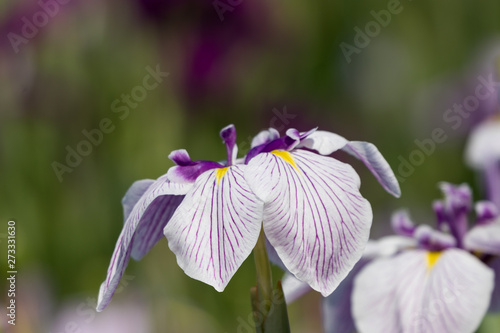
441, 284
212, 213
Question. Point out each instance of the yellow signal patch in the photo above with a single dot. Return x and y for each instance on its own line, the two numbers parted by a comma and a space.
432, 258
219, 173
286, 156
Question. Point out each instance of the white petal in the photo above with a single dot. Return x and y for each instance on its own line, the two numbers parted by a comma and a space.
484, 238
216, 227
314, 215
388, 246
372, 158
324, 142
421, 292
139, 233
482, 147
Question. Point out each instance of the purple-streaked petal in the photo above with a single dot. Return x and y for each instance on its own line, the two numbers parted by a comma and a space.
181, 157
486, 212
420, 291
264, 137
336, 308
483, 148
372, 158
134, 193
402, 224
216, 227
484, 238
140, 231
184, 174
293, 288
326, 143
314, 215
228, 135
433, 240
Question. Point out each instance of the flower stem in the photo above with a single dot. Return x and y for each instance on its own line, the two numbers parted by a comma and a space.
264, 276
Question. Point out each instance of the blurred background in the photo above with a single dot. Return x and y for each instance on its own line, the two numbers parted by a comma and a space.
152, 76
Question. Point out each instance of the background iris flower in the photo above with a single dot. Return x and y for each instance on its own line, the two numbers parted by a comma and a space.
441, 284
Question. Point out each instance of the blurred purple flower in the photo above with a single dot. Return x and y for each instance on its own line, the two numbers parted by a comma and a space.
212, 213
444, 283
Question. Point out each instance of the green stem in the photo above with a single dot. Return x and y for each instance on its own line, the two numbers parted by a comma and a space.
263, 268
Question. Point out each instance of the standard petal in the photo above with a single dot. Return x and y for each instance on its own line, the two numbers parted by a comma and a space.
486, 212
484, 238
216, 227
264, 137
369, 154
420, 291
324, 142
141, 231
402, 224
314, 215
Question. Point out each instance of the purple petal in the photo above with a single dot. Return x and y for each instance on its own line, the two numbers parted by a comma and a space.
486, 212
402, 224
454, 210
369, 154
484, 238
228, 134
189, 173
433, 240
420, 291
181, 157
314, 215
216, 227
140, 231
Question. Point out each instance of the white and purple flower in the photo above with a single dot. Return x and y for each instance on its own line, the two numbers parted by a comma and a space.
211, 213
441, 283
